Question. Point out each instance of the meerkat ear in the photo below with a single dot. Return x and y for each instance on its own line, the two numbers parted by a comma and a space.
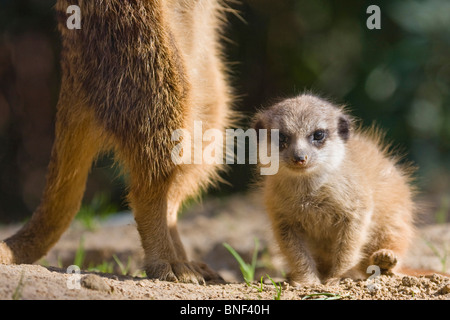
258, 123
343, 128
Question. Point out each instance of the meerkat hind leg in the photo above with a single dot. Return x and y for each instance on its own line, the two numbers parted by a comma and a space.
77, 142
207, 273
189, 181
165, 258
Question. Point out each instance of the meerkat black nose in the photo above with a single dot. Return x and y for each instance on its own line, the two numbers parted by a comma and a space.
300, 159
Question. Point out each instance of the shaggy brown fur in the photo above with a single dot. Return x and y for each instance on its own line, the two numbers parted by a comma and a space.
339, 201
135, 72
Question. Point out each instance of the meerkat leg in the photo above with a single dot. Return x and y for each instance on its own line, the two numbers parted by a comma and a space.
76, 144
386, 257
172, 218
200, 267
181, 189
347, 250
387, 252
165, 258
303, 270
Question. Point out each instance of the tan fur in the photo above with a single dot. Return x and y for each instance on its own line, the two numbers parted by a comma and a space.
134, 73
349, 206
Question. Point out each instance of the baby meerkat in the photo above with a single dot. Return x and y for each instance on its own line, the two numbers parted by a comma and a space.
339, 202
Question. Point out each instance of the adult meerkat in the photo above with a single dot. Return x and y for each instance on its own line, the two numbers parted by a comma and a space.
339, 202
135, 72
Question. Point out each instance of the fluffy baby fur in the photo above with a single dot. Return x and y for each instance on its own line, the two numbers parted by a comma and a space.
339, 202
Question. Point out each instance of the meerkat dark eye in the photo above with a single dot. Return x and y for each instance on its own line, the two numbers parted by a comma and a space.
282, 138
319, 135
283, 141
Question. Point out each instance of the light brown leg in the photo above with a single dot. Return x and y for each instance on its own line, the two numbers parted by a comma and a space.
303, 270
165, 258
179, 191
76, 145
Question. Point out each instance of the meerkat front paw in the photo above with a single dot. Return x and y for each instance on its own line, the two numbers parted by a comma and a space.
385, 259
177, 271
297, 280
332, 282
207, 273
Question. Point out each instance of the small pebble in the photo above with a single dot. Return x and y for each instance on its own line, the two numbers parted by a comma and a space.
436, 278
408, 281
94, 282
445, 289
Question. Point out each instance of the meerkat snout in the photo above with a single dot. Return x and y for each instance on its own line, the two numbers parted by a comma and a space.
299, 156
300, 159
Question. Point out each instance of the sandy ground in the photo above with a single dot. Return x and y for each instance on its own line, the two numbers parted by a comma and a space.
204, 228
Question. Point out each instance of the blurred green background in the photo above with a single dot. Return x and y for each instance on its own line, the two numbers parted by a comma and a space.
398, 76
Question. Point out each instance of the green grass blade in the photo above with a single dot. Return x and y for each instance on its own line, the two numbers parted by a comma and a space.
17, 295
245, 268
124, 270
278, 288
80, 254
328, 296
255, 254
